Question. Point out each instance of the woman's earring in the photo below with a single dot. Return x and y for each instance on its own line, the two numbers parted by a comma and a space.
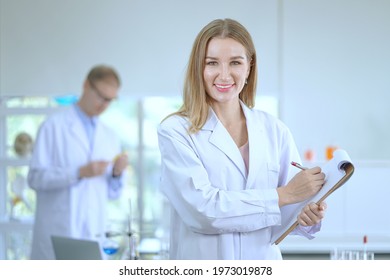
246, 81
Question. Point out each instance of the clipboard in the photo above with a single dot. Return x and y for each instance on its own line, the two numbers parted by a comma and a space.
340, 163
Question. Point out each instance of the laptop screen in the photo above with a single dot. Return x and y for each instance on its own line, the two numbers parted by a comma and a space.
66, 248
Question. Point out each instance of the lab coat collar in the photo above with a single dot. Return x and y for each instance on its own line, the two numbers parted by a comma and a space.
211, 122
77, 129
221, 138
257, 145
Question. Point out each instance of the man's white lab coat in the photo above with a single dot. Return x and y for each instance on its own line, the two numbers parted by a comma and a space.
218, 212
66, 205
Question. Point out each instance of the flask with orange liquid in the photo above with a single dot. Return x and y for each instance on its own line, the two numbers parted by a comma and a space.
329, 151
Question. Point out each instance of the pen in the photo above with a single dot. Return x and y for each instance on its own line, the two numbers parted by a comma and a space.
296, 164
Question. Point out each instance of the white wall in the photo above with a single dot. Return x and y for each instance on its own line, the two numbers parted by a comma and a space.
336, 75
48, 46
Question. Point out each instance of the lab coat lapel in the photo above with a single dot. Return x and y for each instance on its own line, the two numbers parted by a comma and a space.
77, 130
100, 141
257, 148
221, 138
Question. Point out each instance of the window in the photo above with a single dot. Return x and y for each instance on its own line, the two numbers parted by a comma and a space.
17, 116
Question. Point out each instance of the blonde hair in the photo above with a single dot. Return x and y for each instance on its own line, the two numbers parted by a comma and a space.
195, 99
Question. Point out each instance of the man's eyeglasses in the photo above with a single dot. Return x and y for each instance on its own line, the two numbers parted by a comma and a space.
100, 95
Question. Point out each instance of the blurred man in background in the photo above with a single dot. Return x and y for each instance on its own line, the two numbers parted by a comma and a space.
76, 166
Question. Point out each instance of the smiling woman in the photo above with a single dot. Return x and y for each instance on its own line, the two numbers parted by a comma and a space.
225, 170
226, 71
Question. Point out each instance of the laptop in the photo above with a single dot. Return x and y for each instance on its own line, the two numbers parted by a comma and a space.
66, 248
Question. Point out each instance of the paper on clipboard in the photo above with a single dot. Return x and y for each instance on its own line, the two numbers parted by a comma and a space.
337, 171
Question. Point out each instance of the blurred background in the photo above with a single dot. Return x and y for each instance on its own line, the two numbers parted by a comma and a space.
323, 69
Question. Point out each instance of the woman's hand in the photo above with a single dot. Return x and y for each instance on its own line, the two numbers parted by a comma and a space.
302, 186
312, 214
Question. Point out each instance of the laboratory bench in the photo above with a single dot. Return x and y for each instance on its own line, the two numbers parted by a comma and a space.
321, 247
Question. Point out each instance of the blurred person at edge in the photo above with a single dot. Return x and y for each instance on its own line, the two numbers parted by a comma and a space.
76, 166
226, 166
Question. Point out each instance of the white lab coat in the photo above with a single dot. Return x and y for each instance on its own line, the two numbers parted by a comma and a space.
217, 211
66, 205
